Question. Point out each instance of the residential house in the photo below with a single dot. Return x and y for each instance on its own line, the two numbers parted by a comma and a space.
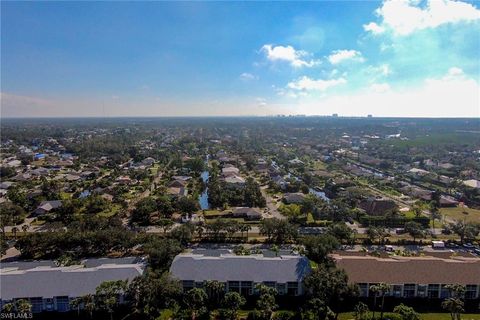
247, 213
242, 273
296, 197
178, 184
472, 183
377, 207
47, 206
411, 277
235, 181
49, 287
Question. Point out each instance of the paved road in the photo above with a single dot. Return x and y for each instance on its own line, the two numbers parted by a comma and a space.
272, 205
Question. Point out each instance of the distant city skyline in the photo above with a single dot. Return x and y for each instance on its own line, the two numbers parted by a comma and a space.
116, 59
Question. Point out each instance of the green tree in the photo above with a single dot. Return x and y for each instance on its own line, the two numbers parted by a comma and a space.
361, 311
328, 286
406, 312
379, 290
465, 230
318, 247
23, 306
107, 295
266, 301
414, 229
165, 224
195, 300
215, 292
454, 303
233, 301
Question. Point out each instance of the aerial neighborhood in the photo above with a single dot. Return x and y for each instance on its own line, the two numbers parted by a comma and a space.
265, 218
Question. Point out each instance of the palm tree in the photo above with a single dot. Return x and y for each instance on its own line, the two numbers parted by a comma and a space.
232, 302
454, 303
8, 308
215, 291
75, 304
379, 289
454, 306
23, 306
89, 304
245, 228
14, 231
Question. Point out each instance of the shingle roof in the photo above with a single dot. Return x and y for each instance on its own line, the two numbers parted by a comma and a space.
419, 270
73, 281
254, 268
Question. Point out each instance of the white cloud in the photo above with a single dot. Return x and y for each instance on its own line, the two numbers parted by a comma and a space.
261, 102
373, 28
380, 70
451, 95
307, 84
296, 58
407, 16
248, 76
339, 56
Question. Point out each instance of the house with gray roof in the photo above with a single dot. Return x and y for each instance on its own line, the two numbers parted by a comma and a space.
242, 273
47, 206
50, 287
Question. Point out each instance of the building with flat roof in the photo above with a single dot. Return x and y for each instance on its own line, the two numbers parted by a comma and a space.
50, 288
413, 276
242, 273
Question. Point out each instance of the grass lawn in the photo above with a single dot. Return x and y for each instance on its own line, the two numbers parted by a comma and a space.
423, 316
457, 213
210, 213
319, 165
111, 211
239, 220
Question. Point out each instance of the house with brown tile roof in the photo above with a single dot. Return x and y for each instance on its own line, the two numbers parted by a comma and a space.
413, 276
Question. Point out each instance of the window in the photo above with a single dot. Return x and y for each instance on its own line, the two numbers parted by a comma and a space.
62, 303
397, 290
37, 304
234, 286
433, 290
292, 288
281, 288
444, 292
363, 289
409, 290
246, 289
188, 285
470, 291
421, 290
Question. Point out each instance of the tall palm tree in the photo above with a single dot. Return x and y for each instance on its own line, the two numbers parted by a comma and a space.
89, 304
75, 304
23, 306
14, 231
245, 228
454, 306
380, 289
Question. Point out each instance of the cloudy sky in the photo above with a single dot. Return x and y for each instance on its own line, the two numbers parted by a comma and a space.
392, 58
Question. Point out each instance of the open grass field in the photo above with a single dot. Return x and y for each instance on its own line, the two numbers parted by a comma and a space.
423, 316
471, 215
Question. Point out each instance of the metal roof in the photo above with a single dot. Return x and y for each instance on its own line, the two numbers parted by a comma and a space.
256, 268
21, 280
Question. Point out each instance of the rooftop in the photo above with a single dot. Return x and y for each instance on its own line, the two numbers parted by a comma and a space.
419, 270
229, 267
45, 279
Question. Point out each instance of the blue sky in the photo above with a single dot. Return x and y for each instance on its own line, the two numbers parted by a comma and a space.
387, 58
